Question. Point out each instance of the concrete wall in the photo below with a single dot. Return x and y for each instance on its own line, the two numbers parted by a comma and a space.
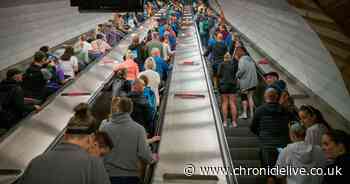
25, 25
276, 28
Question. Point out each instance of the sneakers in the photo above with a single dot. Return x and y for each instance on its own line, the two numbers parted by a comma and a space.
234, 124
243, 116
225, 124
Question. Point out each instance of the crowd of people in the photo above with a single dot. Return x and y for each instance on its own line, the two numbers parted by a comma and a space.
23, 92
288, 135
118, 149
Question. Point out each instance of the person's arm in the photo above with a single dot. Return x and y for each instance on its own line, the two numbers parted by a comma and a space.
208, 51
165, 66
158, 79
75, 63
241, 69
143, 149
98, 173
148, 113
137, 70
153, 139
219, 72
254, 127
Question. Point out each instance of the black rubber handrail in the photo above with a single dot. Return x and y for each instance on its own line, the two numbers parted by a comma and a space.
225, 150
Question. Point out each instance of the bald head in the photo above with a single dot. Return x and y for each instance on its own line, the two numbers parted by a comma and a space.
219, 37
271, 95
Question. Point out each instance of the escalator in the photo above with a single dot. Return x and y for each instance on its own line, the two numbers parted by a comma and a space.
244, 150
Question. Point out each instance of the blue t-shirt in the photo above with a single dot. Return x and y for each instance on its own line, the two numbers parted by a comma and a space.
161, 31
161, 67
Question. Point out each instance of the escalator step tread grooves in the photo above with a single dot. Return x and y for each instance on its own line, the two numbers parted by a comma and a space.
244, 153
251, 179
247, 163
242, 142
239, 131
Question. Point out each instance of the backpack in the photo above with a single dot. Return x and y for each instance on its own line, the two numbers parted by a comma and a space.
6, 116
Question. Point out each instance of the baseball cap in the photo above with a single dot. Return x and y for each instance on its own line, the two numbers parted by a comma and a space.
279, 85
272, 73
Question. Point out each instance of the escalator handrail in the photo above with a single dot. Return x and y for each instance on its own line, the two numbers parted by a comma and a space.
217, 117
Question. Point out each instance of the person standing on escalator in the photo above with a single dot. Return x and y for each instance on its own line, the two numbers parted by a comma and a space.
218, 50
137, 49
248, 80
129, 141
228, 88
70, 162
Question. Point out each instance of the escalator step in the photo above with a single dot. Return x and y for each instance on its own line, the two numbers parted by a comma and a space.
242, 142
244, 153
247, 163
251, 179
244, 122
239, 131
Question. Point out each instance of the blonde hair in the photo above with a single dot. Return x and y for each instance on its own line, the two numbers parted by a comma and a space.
150, 64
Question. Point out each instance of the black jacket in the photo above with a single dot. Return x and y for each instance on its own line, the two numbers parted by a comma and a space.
270, 123
142, 112
34, 83
342, 162
14, 102
218, 51
139, 50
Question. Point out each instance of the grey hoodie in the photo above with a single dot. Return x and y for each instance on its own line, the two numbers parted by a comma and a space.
302, 155
130, 146
247, 75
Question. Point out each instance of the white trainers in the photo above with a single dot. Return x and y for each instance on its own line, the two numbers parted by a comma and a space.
243, 116
234, 124
225, 124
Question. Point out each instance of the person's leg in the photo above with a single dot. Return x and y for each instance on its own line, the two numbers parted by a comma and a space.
215, 78
233, 107
205, 41
251, 102
224, 105
244, 99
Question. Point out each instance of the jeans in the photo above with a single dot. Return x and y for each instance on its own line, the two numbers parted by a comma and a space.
204, 40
